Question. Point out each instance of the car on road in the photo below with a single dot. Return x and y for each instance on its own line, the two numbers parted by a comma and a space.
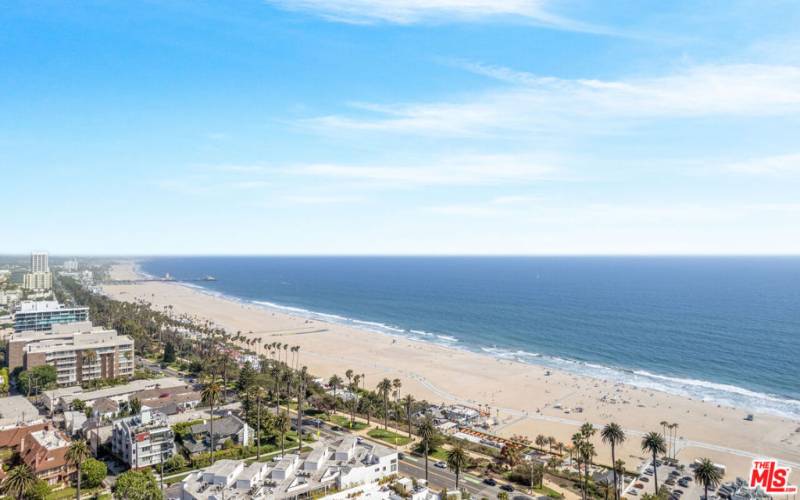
490, 481
440, 464
336, 428
507, 487
401, 455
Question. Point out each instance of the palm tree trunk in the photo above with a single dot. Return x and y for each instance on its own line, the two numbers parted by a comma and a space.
78, 490
614, 467
426, 461
458, 473
211, 433
258, 429
655, 473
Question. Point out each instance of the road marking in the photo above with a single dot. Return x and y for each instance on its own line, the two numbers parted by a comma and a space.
472, 480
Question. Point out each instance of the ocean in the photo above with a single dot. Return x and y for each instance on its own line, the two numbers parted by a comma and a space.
720, 329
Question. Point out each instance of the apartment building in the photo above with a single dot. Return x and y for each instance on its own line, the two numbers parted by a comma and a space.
40, 316
45, 453
78, 351
143, 440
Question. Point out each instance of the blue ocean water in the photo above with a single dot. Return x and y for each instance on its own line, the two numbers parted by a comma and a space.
720, 329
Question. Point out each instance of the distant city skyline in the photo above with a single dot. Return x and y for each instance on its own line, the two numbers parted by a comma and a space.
394, 127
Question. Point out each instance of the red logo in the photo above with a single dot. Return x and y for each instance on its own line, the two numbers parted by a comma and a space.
771, 477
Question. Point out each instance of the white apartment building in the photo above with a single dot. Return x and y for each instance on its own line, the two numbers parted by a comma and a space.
143, 440
341, 464
71, 265
41, 315
78, 351
39, 262
37, 282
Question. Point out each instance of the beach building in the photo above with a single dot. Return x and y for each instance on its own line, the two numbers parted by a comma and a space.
60, 399
341, 464
40, 316
143, 440
78, 351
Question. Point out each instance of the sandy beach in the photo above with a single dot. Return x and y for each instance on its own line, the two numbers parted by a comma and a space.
522, 395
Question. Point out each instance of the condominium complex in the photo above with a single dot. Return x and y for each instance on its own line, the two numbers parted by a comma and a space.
143, 440
44, 451
79, 352
42, 315
333, 465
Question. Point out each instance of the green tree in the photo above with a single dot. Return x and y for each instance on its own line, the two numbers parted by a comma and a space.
247, 377
708, 475
458, 460
169, 353
654, 443
210, 396
137, 485
613, 435
40, 491
19, 482
135, 406
78, 405
94, 471
77, 453
36, 379
511, 455
174, 463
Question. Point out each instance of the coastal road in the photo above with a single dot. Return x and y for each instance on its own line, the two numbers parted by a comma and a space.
414, 466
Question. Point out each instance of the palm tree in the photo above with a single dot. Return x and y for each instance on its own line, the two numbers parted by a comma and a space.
259, 394
540, 441
587, 453
282, 425
19, 482
384, 388
457, 459
674, 428
654, 443
335, 382
210, 396
707, 474
613, 435
427, 433
551, 441
76, 454
408, 401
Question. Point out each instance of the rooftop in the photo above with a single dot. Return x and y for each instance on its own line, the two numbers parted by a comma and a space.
17, 409
37, 306
69, 394
49, 439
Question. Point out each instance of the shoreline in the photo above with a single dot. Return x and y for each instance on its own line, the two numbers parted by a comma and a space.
522, 396
717, 393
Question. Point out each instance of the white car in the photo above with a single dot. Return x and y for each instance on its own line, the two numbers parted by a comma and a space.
440, 464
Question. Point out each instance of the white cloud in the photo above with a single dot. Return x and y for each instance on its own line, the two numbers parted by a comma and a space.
770, 165
471, 170
533, 104
499, 206
323, 200
416, 11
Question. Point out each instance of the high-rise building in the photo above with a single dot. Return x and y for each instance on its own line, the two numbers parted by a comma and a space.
39, 263
40, 316
78, 351
70, 266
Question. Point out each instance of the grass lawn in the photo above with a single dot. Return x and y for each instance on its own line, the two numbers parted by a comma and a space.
343, 421
439, 454
176, 479
389, 437
547, 492
68, 493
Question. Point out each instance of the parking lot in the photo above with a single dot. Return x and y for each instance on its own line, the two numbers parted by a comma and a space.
678, 480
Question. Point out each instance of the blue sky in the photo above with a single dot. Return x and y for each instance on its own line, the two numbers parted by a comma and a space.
400, 127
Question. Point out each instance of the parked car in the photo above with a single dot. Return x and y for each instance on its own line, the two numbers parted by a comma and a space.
490, 481
507, 487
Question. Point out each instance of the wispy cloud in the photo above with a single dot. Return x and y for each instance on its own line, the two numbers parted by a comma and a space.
436, 11
770, 165
499, 206
464, 171
533, 103
323, 200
